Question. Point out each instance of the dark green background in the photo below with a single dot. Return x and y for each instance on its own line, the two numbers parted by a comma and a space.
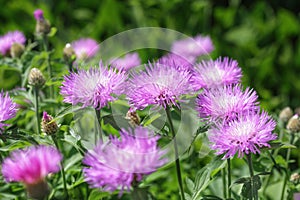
262, 36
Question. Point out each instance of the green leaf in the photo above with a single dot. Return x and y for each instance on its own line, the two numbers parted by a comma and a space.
52, 32
190, 185
241, 180
97, 194
15, 145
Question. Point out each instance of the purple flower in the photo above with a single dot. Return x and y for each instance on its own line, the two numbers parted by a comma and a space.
8, 109
191, 48
85, 48
94, 87
130, 60
120, 162
226, 102
208, 74
7, 40
173, 60
245, 134
38, 15
159, 85
31, 165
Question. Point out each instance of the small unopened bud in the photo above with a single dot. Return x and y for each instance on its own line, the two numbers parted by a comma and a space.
297, 111
38, 190
69, 53
36, 78
43, 26
48, 126
285, 114
17, 50
295, 177
293, 124
133, 117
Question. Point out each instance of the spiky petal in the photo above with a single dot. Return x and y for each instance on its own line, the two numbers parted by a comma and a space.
226, 102
243, 135
8, 109
120, 162
94, 87
209, 73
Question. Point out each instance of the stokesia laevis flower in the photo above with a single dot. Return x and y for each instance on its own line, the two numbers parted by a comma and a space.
159, 85
94, 87
209, 73
8, 109
30, 166
191, 48
243, 135
126, 63
226, 102
119, 163
10, 38
173, 60
85, 48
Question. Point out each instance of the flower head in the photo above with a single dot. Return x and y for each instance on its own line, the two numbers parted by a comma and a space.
38, 15
173, 60
225, 103
8, 109
158, 85
119, 162
31, 165
191, 48
126, 63
48, 126
94, 87
36, 78
85, 48
208, 74
243, 135
7, 40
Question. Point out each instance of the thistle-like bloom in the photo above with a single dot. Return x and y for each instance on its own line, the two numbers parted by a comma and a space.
158, 85
7, 40
208, 74
243, 135
94, 87
48, 125
173, 60
85, 48
38, 15
31, 165
191, 48
225, 103
8, 109
120, 162
126, 63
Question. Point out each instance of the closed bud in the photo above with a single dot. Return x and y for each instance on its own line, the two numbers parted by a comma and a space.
294, 124
42, 27
36, 78
295, 177
133, 117
48, 126
17, 50
286, 114
39, 190
69, 53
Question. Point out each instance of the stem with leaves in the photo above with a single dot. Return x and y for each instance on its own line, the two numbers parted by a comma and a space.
62, 168
254, 192
98, 115
36, 97
177, 162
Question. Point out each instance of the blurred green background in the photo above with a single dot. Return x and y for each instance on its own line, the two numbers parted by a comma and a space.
263, 37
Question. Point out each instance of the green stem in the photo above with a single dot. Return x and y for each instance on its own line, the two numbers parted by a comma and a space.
288, 154
98, 114
250, 164
36, 97
224, 183
229, 177
62, 168
177, 162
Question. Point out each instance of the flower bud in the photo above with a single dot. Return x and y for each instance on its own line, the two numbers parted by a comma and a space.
285, 114
293, 124
295, 177
38, 190
133, 117
69, 53
36, 78
48, 126
17, 50
43, 26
